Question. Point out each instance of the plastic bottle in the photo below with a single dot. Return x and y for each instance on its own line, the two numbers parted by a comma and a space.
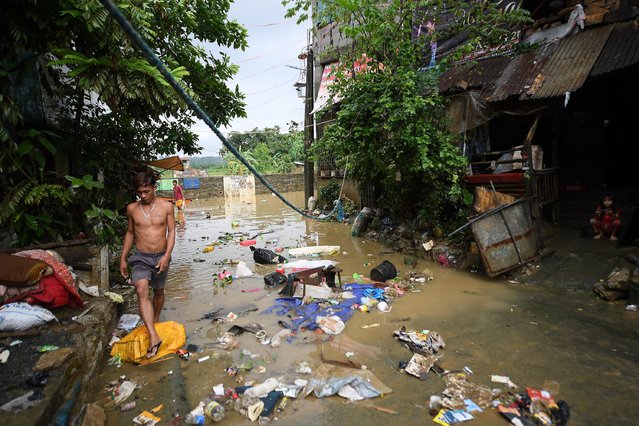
214, 411
196, 416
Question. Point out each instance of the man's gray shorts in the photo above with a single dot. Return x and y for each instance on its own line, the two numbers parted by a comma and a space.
143, 268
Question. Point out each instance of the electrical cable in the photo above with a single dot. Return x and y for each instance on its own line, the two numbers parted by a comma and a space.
270, 52
152, 58
263, 71
272, 87
268, 101
270, 24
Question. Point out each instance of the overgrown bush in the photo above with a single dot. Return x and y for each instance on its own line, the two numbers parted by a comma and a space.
327, 194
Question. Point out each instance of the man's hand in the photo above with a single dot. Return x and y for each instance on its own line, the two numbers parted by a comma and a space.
124, 268
163, 264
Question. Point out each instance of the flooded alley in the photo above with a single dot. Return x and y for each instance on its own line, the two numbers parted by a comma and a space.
573, 342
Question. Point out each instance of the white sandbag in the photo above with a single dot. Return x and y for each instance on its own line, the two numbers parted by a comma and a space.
313, 250
22, 316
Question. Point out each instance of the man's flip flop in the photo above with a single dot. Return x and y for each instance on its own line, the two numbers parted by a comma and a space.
153, 351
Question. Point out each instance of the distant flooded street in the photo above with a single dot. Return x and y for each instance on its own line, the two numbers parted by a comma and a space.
589, 348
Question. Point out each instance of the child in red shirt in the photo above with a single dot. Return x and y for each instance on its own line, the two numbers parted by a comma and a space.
606, 220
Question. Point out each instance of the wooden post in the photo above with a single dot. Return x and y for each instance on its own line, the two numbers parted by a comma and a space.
531, 182
104, 268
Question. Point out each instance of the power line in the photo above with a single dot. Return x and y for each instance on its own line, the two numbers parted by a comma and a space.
262, 71
272, 87
271, 52
270, 24
269, 101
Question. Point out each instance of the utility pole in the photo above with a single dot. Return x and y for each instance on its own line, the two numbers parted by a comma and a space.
309, 167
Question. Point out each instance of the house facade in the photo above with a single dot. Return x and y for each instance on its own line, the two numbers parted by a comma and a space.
576, 84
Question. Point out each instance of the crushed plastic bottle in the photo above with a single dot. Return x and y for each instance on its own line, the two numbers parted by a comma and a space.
196, 416
214, 411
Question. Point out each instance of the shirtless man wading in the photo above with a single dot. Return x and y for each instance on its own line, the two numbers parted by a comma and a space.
152, 227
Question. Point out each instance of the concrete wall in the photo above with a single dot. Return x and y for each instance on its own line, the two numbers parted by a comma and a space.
213, 186
288, 182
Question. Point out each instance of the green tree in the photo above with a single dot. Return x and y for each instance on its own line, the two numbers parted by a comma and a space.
113, 109
269, 150
390, 122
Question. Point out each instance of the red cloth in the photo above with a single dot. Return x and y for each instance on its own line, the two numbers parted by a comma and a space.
177, 193
606, 215
55, 290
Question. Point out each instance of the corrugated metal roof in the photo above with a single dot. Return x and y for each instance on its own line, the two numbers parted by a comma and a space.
480, 74
550, 70
521, 72
621, 49
569, 67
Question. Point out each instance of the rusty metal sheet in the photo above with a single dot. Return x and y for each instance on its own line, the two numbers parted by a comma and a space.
621, 49
550, 70
569, 67
498, 250
480, 74
520, 74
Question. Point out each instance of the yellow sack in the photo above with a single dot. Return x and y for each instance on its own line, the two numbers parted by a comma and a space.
133, 346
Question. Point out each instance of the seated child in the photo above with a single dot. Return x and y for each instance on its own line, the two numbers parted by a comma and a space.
606, 220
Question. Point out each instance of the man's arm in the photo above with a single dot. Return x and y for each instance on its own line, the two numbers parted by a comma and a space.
170, 239
129, 237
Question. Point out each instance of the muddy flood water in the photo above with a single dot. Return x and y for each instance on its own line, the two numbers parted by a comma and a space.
534, 336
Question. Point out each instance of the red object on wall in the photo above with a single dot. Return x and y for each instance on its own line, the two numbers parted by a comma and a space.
498, 178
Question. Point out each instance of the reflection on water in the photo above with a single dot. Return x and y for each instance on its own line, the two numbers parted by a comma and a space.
491, 326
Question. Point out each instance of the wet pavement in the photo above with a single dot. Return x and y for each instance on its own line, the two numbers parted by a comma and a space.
527, 332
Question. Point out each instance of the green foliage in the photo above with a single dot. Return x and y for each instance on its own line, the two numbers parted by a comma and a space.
204, 163
349, 207
391, 122
35, 211
234, 166
105, 224
327, 194
214, 166
114, 110
268, 150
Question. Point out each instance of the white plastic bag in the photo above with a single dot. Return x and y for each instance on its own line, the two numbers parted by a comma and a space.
243, 270
128, 322
330, 325
22, 316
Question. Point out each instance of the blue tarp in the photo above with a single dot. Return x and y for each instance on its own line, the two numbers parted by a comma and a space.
305, 315
191, 183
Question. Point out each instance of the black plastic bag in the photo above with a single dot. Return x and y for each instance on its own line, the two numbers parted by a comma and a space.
289, 289
266, 257
274, 279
